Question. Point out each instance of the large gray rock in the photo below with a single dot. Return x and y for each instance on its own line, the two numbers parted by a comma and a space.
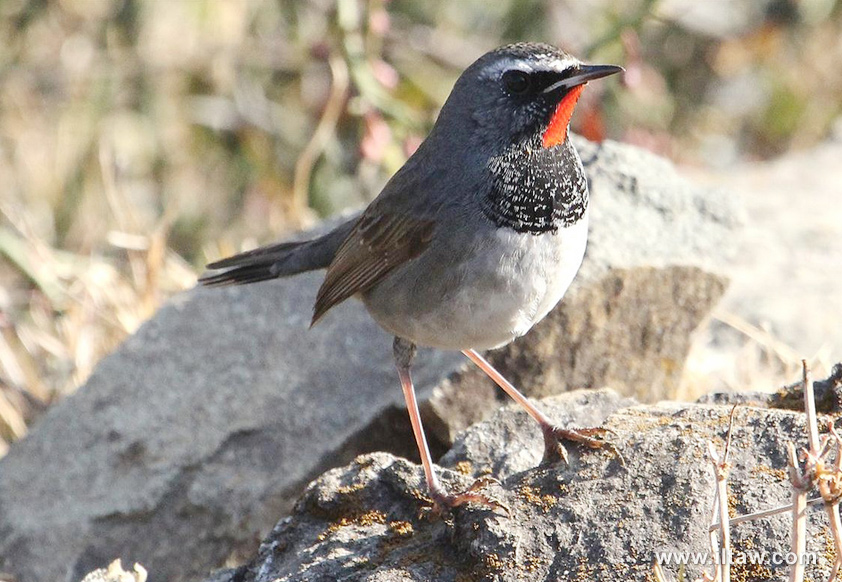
193, 437
200, 431
594, 520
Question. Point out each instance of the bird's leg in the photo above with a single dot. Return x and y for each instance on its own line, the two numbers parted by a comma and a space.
404, 352
554, 436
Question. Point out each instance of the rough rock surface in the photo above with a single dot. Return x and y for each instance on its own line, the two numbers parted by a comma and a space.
200, 431
594, 520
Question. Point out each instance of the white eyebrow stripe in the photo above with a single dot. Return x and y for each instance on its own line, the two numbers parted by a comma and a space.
496, 69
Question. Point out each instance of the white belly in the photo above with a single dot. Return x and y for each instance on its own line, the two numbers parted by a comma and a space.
506, 284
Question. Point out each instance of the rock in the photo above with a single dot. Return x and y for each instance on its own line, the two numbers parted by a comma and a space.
200, 431
827, 394
594, 520
190, 440
510, 442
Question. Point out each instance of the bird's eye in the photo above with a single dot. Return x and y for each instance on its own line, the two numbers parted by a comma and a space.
516, 82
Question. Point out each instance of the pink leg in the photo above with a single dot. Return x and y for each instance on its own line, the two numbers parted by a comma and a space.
553, 435
404, 352
418, 429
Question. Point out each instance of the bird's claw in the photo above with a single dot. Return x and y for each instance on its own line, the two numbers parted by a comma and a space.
592, 437
443, 502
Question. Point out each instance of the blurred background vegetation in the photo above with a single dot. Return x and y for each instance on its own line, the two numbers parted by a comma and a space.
141, 138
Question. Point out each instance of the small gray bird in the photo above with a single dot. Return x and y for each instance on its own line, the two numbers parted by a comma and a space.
474, 240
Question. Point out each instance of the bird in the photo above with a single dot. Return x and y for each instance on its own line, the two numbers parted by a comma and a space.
472, 241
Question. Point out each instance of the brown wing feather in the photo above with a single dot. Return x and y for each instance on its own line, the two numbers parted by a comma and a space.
377, 244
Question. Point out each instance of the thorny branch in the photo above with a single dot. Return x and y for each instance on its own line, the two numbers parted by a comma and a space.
722, 568
817, 469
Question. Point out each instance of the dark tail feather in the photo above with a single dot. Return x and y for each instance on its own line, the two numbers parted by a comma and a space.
239, 275
255, 256
278, 260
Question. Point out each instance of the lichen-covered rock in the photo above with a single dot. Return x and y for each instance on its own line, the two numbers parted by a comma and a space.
599, 519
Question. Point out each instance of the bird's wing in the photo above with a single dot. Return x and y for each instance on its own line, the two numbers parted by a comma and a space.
379, 242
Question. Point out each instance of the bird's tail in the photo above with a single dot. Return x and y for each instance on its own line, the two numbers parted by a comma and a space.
278, 260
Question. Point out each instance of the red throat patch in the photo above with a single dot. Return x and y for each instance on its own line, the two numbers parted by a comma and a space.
556, 131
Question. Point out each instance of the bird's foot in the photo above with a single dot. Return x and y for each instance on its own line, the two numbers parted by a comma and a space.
592, 437
444, 503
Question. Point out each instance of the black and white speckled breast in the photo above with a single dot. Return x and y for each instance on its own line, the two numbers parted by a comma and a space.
536, 189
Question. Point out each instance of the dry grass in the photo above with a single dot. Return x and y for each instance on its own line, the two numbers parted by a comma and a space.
761, 362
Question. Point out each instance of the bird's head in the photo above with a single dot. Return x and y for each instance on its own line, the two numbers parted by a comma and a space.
523, 92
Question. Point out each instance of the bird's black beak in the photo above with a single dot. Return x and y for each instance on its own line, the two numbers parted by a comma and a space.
583, 74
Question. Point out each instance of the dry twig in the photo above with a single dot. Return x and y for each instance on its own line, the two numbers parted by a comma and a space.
722, 550
800, 485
